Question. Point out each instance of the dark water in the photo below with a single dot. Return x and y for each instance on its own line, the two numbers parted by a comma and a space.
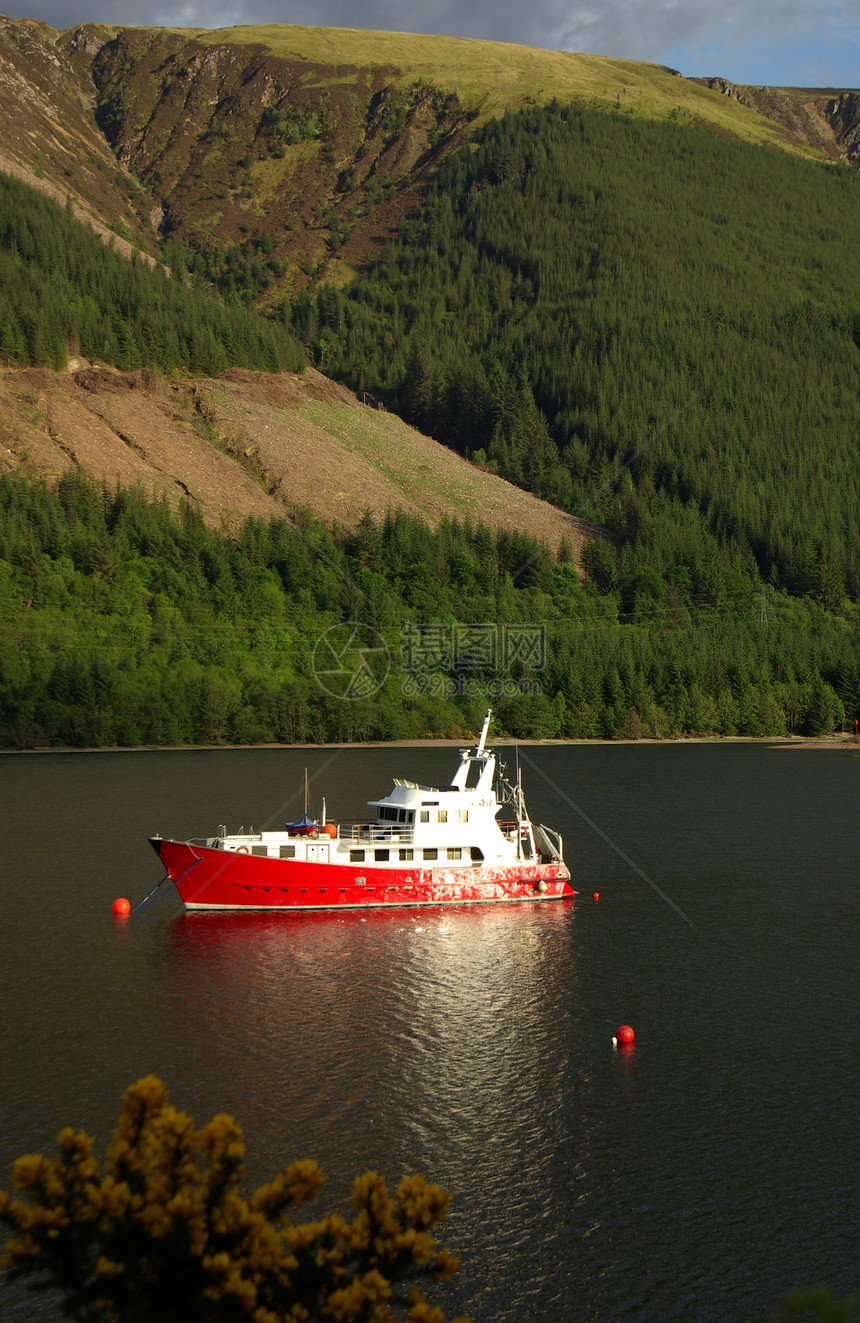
698, 1178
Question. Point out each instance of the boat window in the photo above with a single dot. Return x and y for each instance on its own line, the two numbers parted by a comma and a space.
410, 816
430, 803
477, 855
454, 852
287, 852
259, 849
387, 815
425, 815
440, 815
431, 854
356, 856
401, 815
381, 856
405, 855
459, 815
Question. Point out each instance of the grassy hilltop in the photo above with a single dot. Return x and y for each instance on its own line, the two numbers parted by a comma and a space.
492, 76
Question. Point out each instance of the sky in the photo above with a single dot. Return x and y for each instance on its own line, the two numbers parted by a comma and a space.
788, 43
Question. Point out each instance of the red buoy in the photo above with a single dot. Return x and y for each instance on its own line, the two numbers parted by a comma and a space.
121, 905
624, 1034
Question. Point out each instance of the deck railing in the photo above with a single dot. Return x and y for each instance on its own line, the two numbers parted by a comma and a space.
376, 833
351, 833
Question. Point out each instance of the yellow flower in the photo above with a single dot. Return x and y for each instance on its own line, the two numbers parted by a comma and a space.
170, 1199
105, 1267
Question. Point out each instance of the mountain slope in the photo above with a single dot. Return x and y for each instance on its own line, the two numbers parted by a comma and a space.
260, 442
653, 321
325, 138
319, 139
683, 310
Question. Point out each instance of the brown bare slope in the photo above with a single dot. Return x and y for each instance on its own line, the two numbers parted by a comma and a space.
250, 443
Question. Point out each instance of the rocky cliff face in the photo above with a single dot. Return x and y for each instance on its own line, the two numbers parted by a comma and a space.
828, 122
49, 136
235, 141
843, 115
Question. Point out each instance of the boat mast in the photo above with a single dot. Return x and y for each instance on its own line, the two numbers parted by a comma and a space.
519, 802
482, 741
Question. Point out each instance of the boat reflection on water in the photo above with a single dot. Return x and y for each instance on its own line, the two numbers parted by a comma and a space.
390, 1039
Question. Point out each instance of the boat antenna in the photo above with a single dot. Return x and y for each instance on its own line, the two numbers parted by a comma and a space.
519, 800
484, 730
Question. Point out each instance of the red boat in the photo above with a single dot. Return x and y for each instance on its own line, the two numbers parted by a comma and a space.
428, 845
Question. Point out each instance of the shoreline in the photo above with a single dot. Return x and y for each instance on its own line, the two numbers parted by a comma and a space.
840, 741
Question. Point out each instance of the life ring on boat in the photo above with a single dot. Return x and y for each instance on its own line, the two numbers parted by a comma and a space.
241, 849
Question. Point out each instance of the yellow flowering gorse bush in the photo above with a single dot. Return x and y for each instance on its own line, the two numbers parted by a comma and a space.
165, 1235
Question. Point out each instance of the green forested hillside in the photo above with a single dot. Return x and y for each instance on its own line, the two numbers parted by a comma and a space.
121, 622
649, 325
654, 326
63, 291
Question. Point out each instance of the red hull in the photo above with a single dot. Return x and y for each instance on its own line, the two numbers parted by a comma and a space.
224, 880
